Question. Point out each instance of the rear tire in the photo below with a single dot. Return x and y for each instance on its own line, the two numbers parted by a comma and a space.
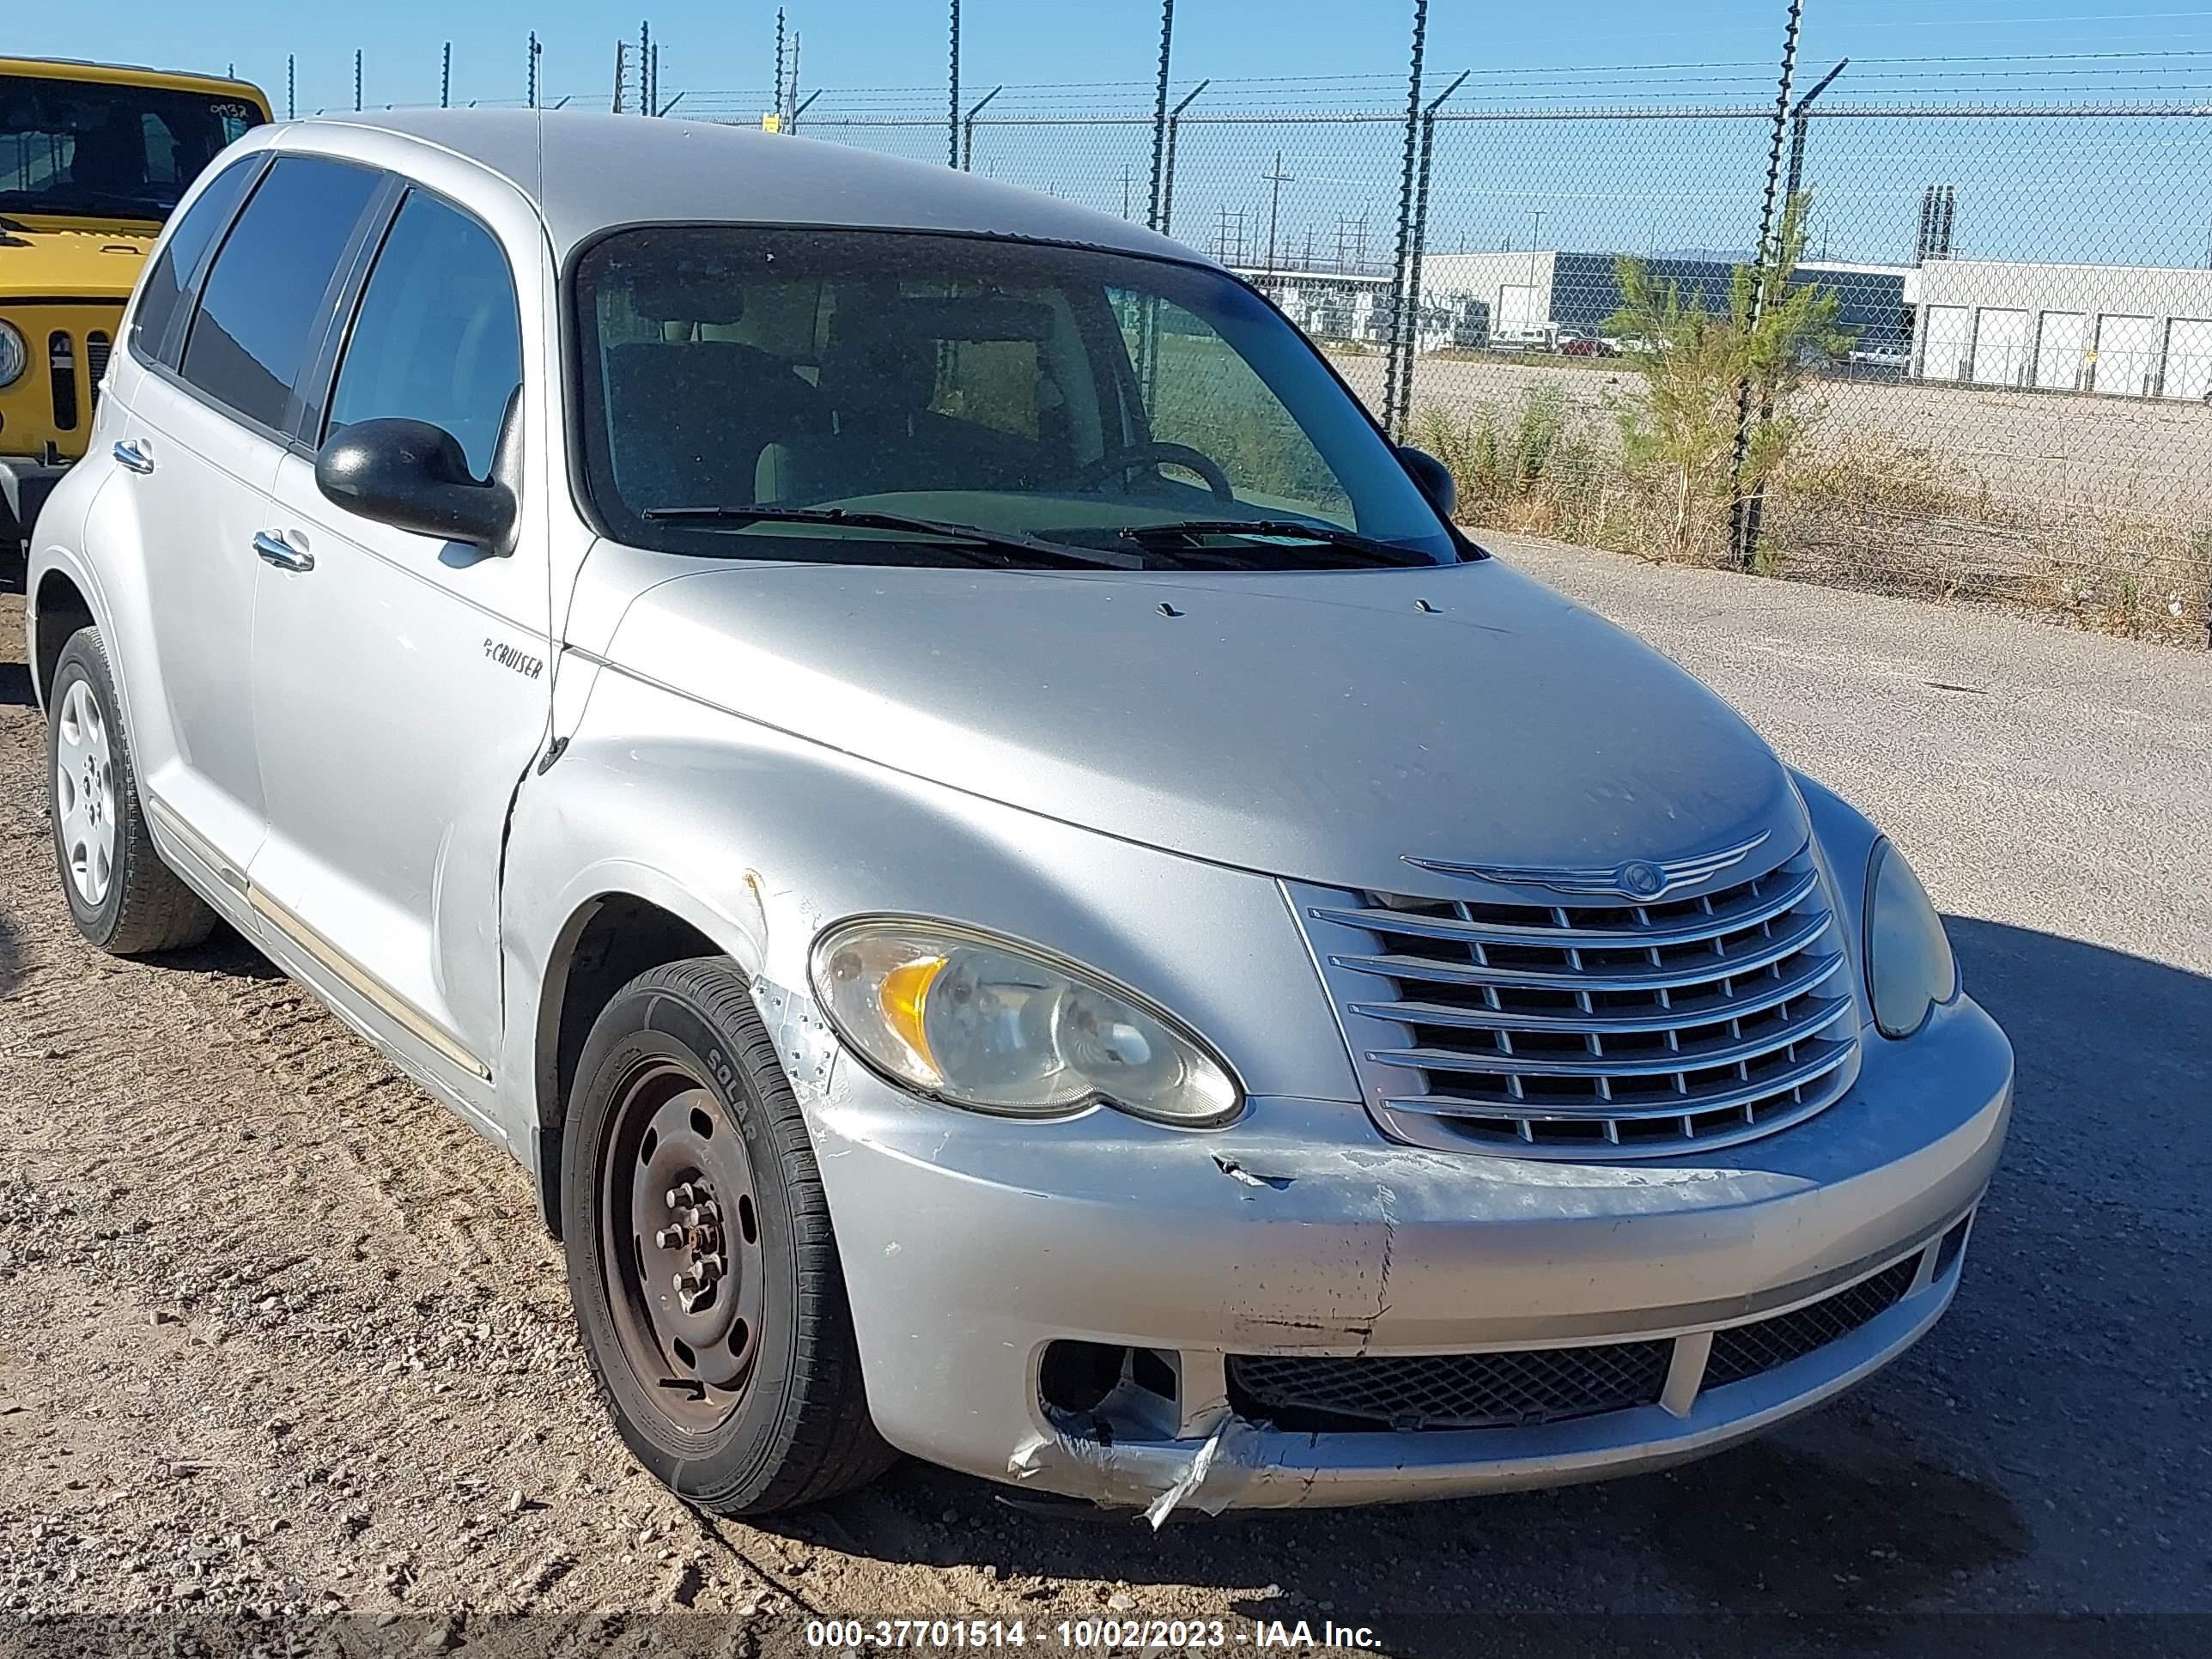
701, 1260
121, 895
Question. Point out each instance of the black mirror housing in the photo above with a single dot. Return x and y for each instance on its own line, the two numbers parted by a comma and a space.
1431, 476
414, 476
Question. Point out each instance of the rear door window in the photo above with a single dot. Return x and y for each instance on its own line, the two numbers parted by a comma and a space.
437, 338
174, 272
263, 304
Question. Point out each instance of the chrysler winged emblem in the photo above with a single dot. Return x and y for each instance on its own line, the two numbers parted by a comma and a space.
1640, 881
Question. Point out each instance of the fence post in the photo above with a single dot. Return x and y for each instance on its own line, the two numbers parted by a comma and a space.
621, 74
1396, 366
356, 77
953, 122
799, 109
536, 49
1168, 169
968, 131
445, 79
1754, 509
1160, 114
291, 87
1742, 530
1413, 309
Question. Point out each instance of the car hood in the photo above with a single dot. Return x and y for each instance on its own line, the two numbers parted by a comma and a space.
54, 257
1330, 727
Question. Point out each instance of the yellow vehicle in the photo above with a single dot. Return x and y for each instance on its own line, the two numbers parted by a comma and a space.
92, 158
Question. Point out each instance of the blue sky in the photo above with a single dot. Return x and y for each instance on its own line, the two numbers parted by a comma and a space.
2121, 192
728, 44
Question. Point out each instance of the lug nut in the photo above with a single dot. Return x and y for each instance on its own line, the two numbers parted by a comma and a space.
669, 1237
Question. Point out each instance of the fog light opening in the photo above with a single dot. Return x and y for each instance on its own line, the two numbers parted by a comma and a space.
1104, 1391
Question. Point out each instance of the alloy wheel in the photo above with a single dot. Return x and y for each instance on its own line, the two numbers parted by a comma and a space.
84, 793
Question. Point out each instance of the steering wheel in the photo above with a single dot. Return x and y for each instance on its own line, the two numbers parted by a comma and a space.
1121, 462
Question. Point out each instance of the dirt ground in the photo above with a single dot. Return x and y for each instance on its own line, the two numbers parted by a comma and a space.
284, 1351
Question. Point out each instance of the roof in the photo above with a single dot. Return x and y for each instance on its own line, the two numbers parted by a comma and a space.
587, 172
132, 75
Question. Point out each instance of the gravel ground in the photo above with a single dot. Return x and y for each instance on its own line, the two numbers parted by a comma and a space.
282, 1341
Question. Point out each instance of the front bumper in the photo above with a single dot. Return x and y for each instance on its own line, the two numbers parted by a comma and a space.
969, 1245
24, 487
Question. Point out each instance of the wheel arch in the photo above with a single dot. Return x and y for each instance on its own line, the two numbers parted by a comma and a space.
59, 609
625, 928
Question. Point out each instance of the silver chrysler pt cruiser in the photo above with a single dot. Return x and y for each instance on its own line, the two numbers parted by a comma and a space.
1026, 897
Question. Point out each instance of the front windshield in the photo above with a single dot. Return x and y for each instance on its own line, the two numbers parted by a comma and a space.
1088, 398
89, 148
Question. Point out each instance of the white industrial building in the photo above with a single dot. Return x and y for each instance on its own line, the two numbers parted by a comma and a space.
2123, 330
2129, 330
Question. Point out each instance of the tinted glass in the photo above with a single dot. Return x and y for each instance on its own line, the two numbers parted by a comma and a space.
263, 298
180, 263
1074, 394
86, 147
436, 337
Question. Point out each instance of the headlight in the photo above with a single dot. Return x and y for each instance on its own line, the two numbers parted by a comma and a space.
998, 1027
15, 355
1909, 965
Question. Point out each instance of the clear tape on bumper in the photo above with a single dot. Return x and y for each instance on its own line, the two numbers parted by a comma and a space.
1218, 1469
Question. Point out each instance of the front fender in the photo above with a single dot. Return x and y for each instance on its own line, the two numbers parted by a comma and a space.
759, 840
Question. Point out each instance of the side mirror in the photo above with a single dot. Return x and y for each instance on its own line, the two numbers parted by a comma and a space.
1431, 476
413, 475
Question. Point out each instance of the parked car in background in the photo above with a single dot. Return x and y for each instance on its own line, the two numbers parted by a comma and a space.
1024, 893
92, 158
1574, 343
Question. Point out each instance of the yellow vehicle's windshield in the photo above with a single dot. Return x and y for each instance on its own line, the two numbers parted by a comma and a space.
107, 150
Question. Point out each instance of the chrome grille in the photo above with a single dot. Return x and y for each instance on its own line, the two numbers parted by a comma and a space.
1596, 1030
97, 348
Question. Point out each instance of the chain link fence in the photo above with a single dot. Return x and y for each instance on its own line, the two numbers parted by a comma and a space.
1986, 371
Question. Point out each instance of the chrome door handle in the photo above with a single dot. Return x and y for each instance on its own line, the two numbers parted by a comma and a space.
275, 550
131, 456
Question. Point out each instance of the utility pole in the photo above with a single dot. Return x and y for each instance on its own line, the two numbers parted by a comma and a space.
445, 79
537, 47
1276, 179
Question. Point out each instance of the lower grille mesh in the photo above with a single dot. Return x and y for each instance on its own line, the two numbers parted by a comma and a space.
1745, 1351
1534, 1386
1450, 1391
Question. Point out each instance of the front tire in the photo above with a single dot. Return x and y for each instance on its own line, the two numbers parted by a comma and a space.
121, 895
701, 1260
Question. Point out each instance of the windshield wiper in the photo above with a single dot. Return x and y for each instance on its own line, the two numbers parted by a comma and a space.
969, 535
1348, 541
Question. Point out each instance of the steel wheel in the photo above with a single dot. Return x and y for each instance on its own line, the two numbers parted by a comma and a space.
680, 1238
84, 793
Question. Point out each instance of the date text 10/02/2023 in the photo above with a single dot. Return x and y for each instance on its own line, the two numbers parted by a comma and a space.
1089, 1635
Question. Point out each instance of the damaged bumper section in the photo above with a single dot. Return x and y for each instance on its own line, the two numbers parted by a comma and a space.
1294, 1311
